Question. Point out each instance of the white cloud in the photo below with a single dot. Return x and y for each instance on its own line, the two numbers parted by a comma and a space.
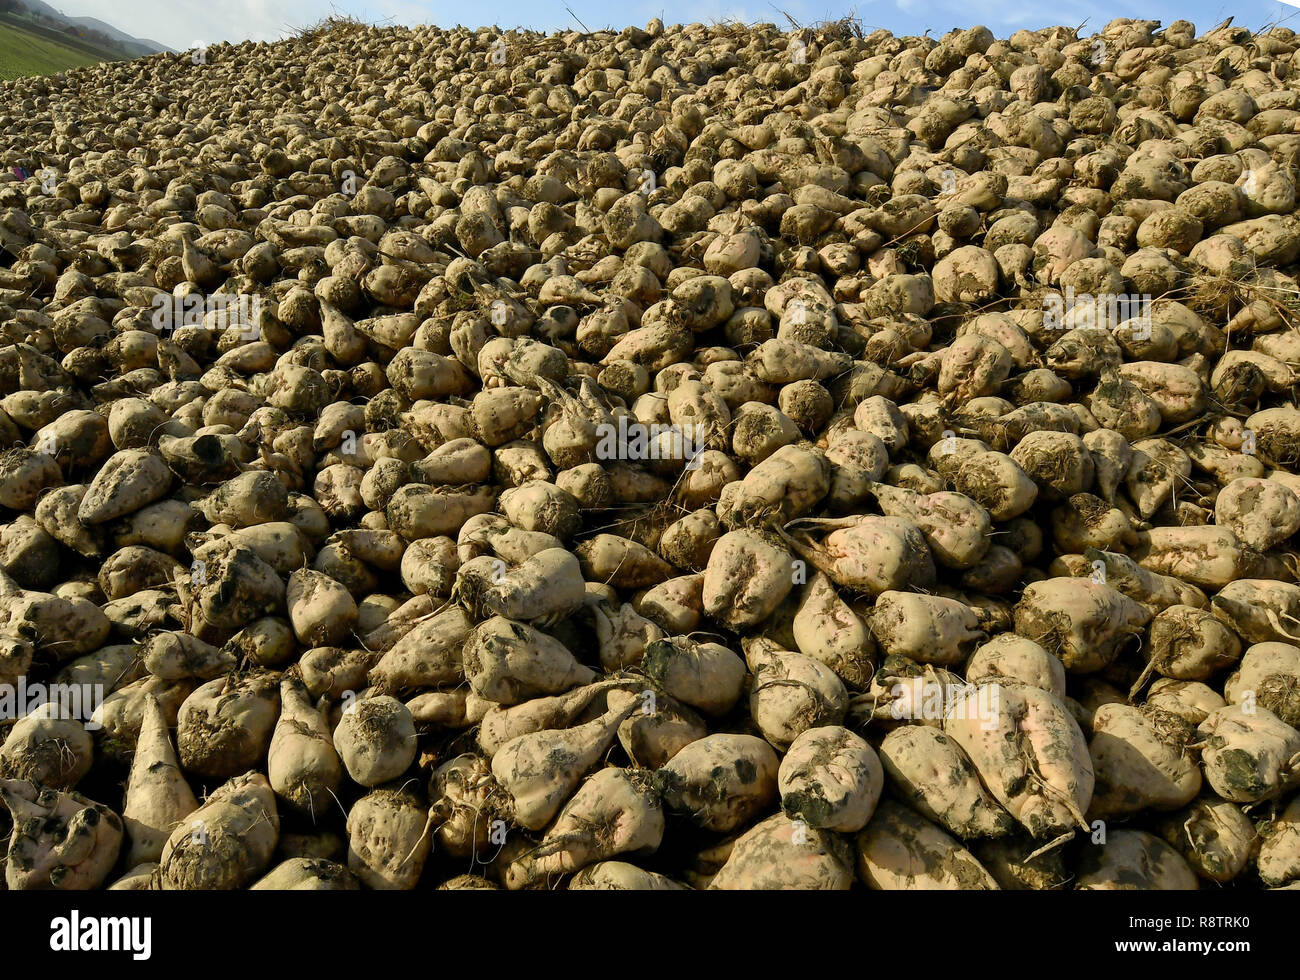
179, 23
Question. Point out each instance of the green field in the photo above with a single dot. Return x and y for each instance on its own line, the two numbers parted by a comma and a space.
28, 49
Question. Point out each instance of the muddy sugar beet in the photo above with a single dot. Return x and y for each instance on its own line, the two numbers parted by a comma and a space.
687, 457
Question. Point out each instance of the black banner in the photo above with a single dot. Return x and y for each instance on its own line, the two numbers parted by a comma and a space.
917, 930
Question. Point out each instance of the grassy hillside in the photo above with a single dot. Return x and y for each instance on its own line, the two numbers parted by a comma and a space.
28, 49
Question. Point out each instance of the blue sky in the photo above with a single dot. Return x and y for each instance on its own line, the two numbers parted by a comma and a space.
180, 23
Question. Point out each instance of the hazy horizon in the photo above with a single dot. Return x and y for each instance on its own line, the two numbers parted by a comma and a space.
181, 24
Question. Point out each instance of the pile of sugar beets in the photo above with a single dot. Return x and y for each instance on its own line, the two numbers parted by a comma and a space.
697, 457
